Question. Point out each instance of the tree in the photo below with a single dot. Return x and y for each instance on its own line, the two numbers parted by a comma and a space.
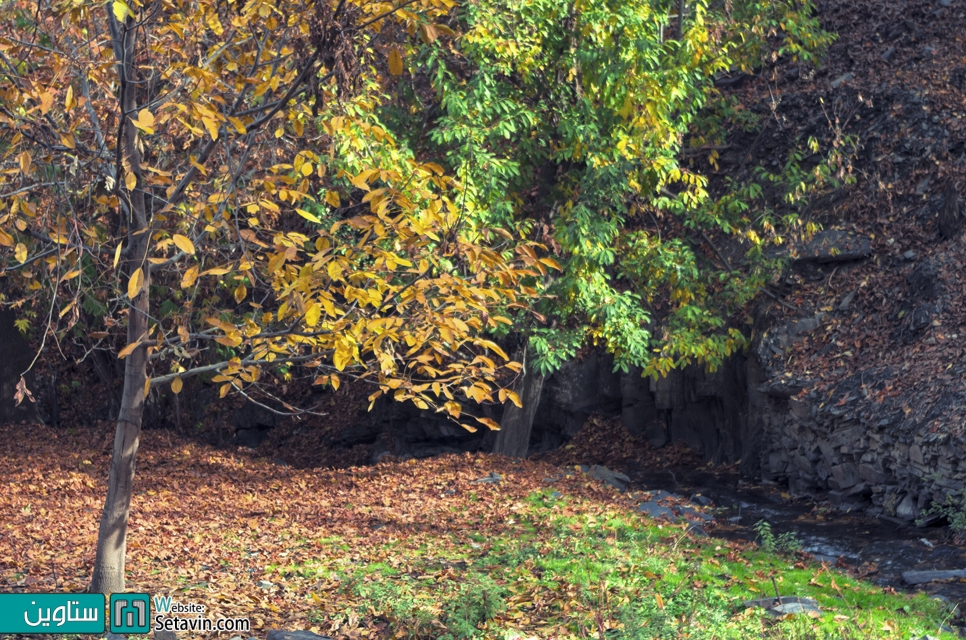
576, 124
205, 189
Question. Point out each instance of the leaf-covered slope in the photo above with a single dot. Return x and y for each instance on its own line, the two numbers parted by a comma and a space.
891, 341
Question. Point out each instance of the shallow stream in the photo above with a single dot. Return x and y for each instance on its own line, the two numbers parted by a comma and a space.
876, 548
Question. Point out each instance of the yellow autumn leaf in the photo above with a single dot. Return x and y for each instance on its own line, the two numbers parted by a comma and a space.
308, 216
312, 315
333, 199
46, 102
553, 264
212, 126
238, 124
20, 253
144, 121
117, 255
488, 423
334, 381
129, 349
240, 292
6, 239
121, 10
341, 358
189, 277
453, 408
130, 181
215, 24
183, 243
25, 162
134, 284
395, 62
176, 385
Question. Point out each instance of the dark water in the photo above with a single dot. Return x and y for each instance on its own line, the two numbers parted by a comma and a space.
878, 548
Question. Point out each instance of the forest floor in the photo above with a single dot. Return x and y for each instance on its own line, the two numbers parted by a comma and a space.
456, 546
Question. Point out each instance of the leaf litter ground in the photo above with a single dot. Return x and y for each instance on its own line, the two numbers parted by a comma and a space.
889, 347
456, 546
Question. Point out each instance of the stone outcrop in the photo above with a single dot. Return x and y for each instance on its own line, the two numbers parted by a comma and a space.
864, 454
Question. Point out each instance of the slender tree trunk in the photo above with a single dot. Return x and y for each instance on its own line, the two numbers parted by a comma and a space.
514, 436
108, 576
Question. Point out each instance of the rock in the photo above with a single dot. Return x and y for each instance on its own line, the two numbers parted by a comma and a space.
638, 411
556, 494
924, 283
698, 531
784, 605
872, 475
782, 389
915, 453
276, 634
660, 494
841, 80
731, 82
704, 501
910, 254
493, 478
950, 221
907, 509
607, 476
694, 513
264, 584
921, 317
847, 301
656, 511
253, 424
567, 399
887, 55
844, 475
922, 577
835, 245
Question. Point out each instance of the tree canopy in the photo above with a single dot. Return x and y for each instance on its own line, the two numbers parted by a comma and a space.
574, 123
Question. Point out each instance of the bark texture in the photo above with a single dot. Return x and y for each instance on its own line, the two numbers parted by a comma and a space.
108, 575
514, 436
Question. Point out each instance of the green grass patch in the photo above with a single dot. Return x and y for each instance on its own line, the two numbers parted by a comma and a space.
565, 568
